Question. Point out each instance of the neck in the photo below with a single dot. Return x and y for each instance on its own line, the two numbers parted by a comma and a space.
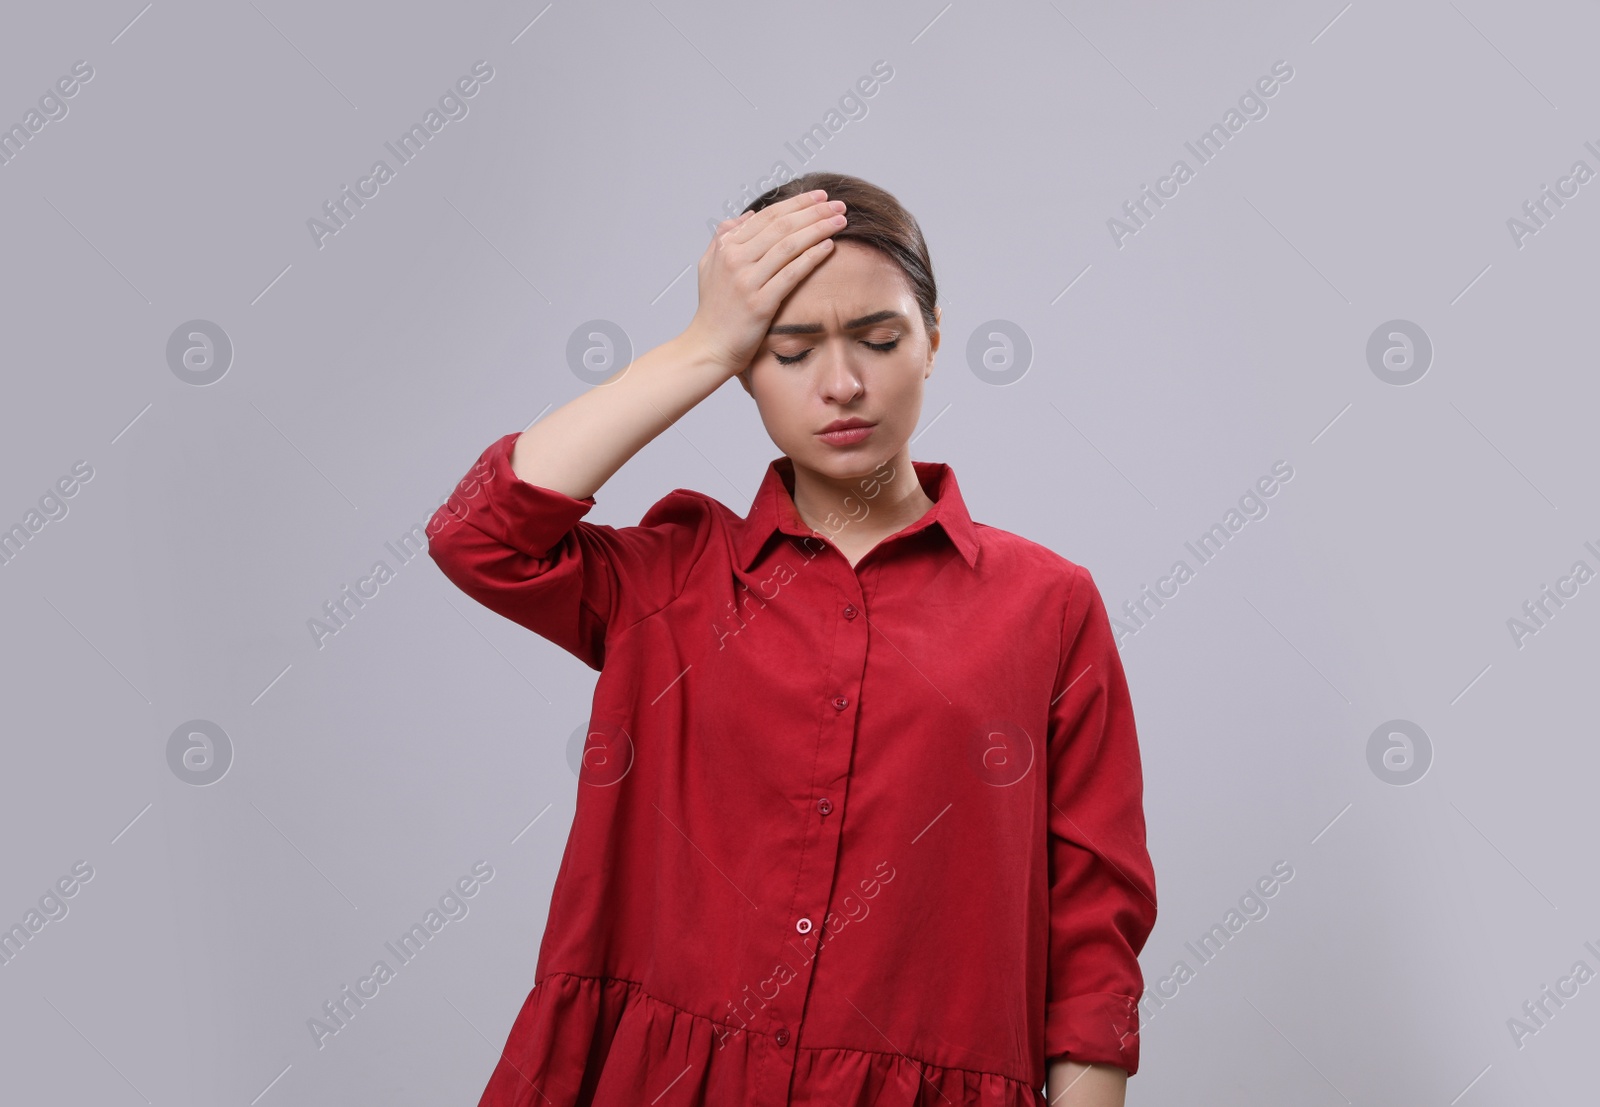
881, 500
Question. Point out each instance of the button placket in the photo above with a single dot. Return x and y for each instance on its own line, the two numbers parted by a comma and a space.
818, 860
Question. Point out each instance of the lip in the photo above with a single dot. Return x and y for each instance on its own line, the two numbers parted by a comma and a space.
847, 432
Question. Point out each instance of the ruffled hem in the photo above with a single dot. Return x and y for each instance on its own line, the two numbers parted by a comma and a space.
582, 1041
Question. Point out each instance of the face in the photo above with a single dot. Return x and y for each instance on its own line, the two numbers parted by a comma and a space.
849, 342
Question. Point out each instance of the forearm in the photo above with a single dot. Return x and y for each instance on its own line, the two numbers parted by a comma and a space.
577, 447
1073, 1084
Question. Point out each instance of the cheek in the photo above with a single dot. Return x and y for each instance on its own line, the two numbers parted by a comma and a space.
908, 375
908, 390
783, 403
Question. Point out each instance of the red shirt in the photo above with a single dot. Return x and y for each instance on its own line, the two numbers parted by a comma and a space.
842, 835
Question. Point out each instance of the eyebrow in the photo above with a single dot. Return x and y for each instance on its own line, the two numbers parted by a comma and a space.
853, 324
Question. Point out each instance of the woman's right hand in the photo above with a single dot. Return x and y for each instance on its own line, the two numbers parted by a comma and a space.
753, 262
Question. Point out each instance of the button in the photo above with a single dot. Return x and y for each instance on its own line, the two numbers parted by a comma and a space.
803, 926
849, 611
782, 1036
840, 703
824, 805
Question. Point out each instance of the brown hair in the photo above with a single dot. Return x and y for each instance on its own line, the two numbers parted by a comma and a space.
876, 219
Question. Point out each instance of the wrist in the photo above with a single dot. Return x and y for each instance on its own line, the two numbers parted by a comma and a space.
699, 354
1071, 1083
675, 376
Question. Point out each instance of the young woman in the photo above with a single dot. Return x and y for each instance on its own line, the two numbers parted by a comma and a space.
859, 819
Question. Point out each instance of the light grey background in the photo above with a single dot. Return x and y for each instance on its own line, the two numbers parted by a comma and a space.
1167, 375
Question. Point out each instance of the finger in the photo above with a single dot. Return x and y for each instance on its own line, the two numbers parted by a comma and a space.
728, 225
773, 212
790, 276
812, 227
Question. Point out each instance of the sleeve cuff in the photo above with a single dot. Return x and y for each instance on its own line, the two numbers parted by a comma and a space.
1100, 1027
527, 517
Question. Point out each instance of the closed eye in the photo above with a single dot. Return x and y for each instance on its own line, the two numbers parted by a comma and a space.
881, 347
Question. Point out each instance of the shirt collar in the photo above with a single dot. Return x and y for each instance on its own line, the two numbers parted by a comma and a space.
773, 510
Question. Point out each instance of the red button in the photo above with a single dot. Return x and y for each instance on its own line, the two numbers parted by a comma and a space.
849, 611
782, 1036
840, 702
824, 805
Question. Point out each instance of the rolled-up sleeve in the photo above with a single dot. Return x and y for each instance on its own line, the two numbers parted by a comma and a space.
524, 552
1102, 882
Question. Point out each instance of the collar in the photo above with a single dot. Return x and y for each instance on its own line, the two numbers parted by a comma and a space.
773, 510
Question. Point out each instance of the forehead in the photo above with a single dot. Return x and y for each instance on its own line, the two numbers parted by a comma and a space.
852, 280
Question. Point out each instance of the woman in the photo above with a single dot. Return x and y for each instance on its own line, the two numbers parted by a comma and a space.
860, 814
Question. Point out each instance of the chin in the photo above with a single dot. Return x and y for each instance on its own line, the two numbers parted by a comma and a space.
841, 465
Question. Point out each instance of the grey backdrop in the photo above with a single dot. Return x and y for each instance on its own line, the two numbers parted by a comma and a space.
250, 414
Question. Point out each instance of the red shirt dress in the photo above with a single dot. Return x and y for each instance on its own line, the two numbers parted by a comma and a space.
845, 836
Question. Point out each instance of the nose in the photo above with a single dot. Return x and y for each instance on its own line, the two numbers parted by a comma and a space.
841, 381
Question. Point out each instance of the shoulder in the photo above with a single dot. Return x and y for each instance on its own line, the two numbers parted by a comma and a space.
1051, 581
693, 520
1012, 553
685, 506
